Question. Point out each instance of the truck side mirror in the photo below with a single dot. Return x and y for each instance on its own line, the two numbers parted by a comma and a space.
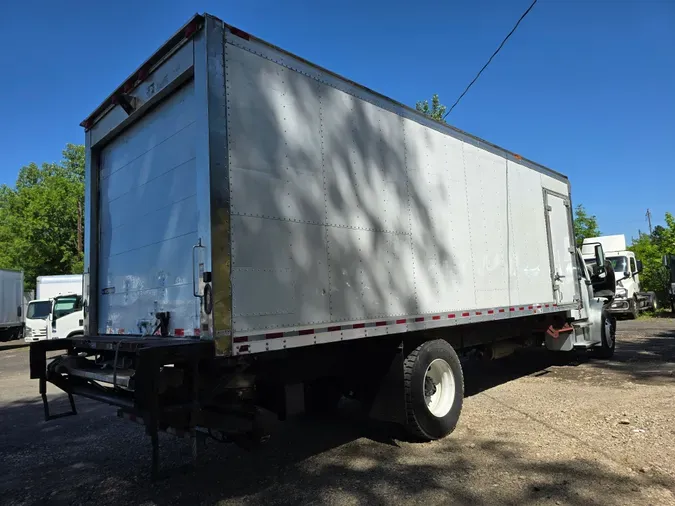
639, 267
599, 258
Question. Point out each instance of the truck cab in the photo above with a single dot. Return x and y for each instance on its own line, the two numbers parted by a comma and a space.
629, 300
66, 318
37, 314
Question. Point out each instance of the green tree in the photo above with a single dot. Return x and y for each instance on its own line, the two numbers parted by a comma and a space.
41, 218
651, 249
585, 225
435, 111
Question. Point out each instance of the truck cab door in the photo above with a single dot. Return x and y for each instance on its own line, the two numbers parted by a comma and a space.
561, 248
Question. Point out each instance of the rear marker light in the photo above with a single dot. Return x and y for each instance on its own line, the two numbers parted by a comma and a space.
358, 325
179, 332
419, 319
399, 322
530, 307
490, 311
240, 339
436, 318
380, 324
465, 314
478, 313
501, 310
306, 332
451, 316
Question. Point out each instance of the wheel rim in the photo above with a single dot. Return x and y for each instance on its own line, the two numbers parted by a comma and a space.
439, 388
609, 335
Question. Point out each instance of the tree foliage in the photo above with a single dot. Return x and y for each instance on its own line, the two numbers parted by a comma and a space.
435, 111
651, 249
39, 218
585, 225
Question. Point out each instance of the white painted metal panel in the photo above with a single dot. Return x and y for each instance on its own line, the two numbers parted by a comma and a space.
564, 278
148, 219
530, 272
395, 217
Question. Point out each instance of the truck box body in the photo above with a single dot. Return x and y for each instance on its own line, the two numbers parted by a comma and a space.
268, 203
611, 244
48, 287
11, 299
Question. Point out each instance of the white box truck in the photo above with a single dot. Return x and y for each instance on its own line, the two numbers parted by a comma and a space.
264, 235
57, 309
11, 304
629, 300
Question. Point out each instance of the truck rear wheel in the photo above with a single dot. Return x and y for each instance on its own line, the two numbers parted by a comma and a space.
434, 390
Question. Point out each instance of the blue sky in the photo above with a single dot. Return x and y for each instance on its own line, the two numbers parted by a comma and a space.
586, 87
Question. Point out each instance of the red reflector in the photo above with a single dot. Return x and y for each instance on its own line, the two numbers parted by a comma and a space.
358, 325
398, 322
465, 314
240, 33
334, 329
490, 311
530, 307
179, 332
538, 306
512, 309
521, 309
436, 318
380, 324
274, 335
197, 332
501, 310
478, 313
244, 348
240, 339
419, 319
451, 316
306, 332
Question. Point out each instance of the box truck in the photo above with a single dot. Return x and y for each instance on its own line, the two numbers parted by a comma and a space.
11, 304
57, 308
264, 236
629, 300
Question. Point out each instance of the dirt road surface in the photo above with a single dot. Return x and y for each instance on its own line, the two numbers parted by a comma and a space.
536, 429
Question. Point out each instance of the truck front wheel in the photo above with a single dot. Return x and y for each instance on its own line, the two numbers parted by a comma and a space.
434, 390
605, 350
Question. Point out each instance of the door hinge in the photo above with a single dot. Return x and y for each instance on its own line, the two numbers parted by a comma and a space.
549, 208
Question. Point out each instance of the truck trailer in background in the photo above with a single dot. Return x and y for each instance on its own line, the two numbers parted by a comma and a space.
11, 304
264, 235
61, 292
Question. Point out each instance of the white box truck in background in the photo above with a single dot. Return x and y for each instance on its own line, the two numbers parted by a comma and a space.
57, 309
265, 235
11, 304
629, 300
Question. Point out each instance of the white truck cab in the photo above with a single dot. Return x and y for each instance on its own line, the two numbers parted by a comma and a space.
66, 318
629, 299
37, 315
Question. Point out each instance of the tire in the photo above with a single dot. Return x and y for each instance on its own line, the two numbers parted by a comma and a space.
322, 396
605, 350
653, 302
434, 390
633, 309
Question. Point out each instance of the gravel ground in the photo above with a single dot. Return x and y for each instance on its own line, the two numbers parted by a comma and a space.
536, 429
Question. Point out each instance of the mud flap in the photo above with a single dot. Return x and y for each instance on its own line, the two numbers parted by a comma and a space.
388, 398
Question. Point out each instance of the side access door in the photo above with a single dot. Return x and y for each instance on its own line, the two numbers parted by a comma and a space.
561, 247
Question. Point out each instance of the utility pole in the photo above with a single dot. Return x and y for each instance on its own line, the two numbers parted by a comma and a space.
649, 220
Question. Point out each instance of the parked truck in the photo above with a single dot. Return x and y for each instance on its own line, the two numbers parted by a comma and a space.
11, 304
669, 264
629, 300
57, 309
264, 236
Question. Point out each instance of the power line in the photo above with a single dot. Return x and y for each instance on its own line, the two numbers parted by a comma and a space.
491, 57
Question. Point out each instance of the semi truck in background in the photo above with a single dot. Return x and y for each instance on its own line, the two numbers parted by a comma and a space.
304, 237
629, 300
57, 309
11, 304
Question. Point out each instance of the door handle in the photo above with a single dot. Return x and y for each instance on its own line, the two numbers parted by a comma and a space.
195, 288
